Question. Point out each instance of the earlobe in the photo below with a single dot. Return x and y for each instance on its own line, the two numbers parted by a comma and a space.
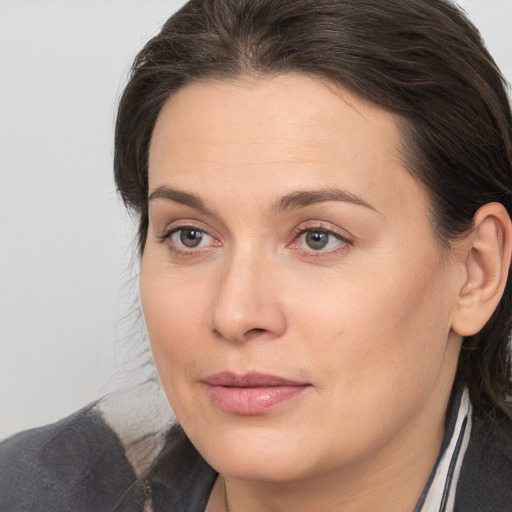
487, 255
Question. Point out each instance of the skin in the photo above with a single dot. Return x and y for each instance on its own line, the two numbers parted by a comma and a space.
366, 321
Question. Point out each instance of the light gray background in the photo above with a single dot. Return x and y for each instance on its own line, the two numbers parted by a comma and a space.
65, 241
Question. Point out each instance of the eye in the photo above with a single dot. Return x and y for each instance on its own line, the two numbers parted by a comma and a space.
185, 239
189, 237
319, 239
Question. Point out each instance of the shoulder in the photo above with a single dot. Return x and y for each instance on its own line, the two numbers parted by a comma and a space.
75, 464
485, 482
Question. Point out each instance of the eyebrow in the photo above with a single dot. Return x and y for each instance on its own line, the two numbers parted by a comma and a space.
301, 199
178, 196
293, 201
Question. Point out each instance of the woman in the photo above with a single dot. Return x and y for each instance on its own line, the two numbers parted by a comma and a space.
324, 197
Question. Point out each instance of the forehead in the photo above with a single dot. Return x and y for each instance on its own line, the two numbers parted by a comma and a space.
274, 133
277, 113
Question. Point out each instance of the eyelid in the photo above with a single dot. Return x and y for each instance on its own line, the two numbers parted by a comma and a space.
185, 223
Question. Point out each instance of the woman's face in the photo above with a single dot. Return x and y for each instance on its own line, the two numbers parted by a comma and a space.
298, 306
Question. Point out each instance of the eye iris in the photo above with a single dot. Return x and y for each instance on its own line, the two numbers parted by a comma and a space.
191, 237
317, 239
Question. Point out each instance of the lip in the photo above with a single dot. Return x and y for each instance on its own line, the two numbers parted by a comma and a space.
252, 393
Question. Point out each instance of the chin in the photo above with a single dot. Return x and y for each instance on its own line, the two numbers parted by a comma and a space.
257, 456
257, 467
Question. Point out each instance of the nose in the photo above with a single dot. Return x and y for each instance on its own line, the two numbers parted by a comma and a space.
247, 301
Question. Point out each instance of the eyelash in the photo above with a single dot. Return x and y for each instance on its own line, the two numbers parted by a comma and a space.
317, 227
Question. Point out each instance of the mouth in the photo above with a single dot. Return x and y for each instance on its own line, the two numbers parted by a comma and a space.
252, 393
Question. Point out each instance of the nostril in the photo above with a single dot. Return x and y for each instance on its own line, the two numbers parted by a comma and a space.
254, 332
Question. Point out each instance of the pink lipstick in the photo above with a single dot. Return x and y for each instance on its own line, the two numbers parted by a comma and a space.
252, 393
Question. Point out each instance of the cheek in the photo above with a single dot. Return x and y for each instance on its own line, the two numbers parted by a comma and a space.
377, 348
376, 335
175, 320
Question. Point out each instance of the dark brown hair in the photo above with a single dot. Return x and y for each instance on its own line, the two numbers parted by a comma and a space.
420, 59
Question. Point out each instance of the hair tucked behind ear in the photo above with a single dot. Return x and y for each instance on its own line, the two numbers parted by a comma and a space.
420, 59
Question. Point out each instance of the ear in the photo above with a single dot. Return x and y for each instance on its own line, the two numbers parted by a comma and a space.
486, 257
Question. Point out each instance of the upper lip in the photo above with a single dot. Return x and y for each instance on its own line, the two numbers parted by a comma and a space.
249, 380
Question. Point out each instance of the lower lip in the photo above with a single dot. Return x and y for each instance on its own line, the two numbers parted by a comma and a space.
252, 400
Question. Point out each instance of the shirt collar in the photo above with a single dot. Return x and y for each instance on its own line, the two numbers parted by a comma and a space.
439, 492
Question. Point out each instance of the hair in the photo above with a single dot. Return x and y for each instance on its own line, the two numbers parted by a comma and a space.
422, 60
